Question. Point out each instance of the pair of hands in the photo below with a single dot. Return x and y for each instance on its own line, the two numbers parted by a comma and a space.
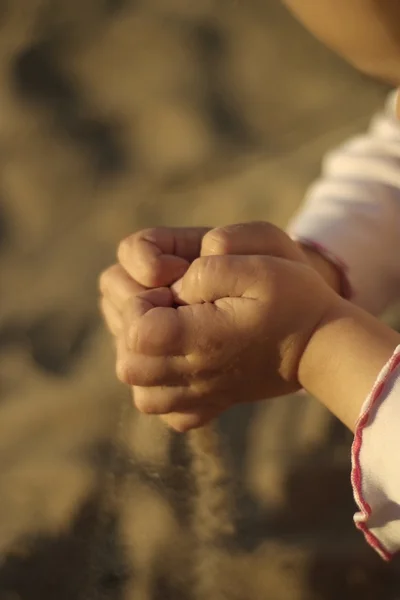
208, 318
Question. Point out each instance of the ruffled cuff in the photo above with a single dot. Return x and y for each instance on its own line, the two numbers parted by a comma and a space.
375, 475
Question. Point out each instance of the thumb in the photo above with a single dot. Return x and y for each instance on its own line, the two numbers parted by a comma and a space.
159, 256
254, 238
210, 278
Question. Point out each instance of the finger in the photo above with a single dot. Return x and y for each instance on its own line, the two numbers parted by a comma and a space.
148, 371
158, 257
185, 421
193, 333
111, 316
250, 239
212, 278
116, 285
151, 325
163, 400
143, 302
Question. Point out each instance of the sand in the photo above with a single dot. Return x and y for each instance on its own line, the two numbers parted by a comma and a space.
115, 116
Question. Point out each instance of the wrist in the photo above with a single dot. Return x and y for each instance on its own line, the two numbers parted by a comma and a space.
327, 269
343, 358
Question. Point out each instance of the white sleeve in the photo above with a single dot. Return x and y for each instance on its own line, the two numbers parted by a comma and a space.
353, 211
375, 472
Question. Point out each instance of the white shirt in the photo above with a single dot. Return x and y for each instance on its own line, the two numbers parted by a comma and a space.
352, 215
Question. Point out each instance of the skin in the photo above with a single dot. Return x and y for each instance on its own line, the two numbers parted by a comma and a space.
196, 360
204, 319
207, 319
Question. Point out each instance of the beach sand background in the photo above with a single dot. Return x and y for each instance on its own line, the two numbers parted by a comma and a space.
118, 115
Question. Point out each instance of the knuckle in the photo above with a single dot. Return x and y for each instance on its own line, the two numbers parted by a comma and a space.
155, 400
271, 231
104, 279
181, 427
129, 373
125, 247
151, 234
157, 333
206, 265
266, 226
182, 423
217, 241
149, 270
107, 277
144, 403
124, 372
198, 272
194, 422
152, 273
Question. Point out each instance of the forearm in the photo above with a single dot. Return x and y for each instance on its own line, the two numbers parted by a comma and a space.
343, 359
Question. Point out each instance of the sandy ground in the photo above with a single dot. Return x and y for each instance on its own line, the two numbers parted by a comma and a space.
119, 115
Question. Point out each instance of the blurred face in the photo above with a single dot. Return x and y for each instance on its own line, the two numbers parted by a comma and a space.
365, 32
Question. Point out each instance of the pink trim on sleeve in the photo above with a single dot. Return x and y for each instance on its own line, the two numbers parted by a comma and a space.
372, 478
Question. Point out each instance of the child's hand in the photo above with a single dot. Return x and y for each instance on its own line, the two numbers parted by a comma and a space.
238, 336
156, 258
151, 258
